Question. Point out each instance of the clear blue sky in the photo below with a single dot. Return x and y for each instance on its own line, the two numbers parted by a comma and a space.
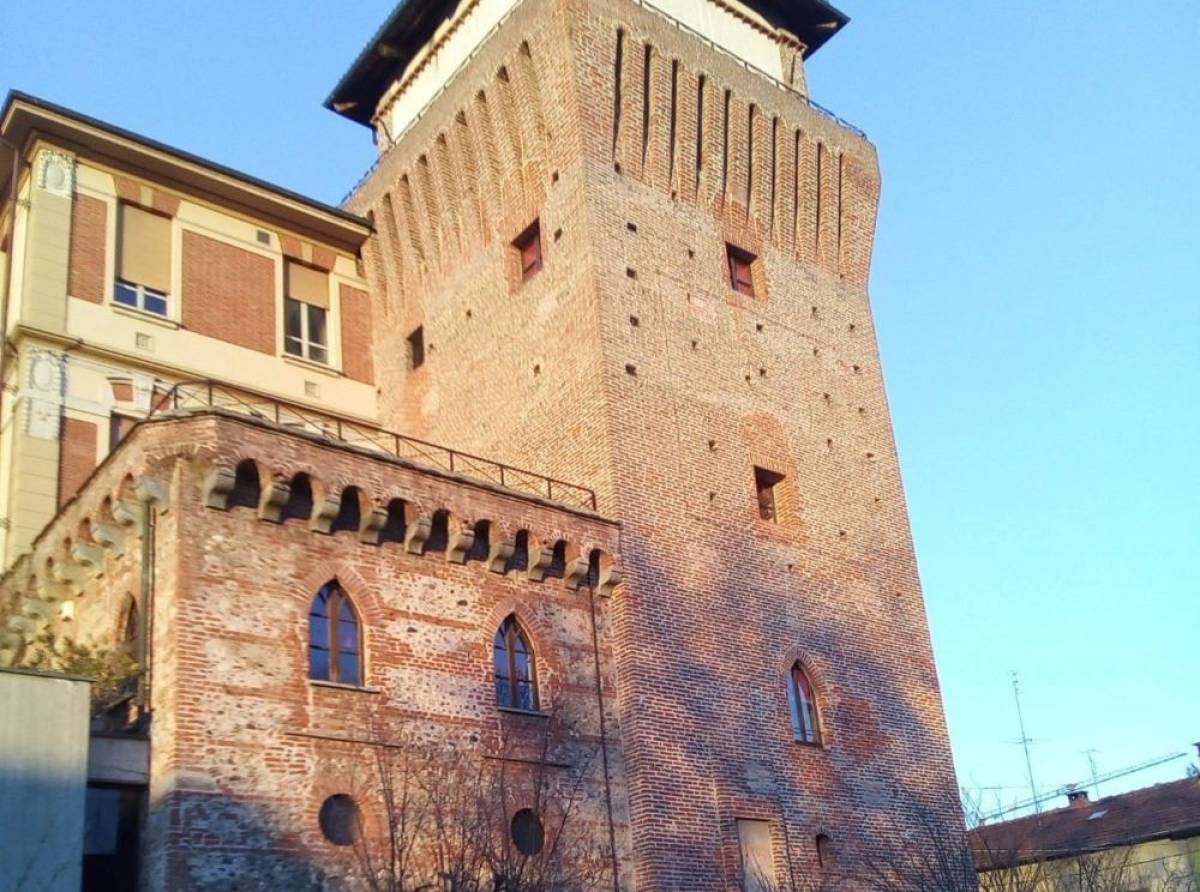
1035, 288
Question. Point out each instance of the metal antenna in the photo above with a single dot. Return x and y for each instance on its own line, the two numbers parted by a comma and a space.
1025, 741
1091, 757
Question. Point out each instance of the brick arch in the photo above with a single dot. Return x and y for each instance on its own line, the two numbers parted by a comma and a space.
366, 602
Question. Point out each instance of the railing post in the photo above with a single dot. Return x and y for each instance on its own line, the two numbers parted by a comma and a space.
550, 489
451, 453
210, 393
397, 439
502, 483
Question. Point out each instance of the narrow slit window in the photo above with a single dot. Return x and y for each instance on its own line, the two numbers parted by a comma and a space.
741, 270
806, 726
766, 485
529, 250
306, 312
416, 348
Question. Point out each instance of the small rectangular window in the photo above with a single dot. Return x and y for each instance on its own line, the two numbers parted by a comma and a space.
143, 260
416, 348
758, 857
766, 485
118, 427
741, 270
529, 250
306, 313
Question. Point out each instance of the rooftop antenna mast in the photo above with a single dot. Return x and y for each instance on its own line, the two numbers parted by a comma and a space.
1091, 757
1025, 741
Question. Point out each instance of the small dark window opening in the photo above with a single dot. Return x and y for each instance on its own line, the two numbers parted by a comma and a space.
334, 648
766, 485
520, 555
482, 544
416, 348
593, 576
340, 820
246, 486
300, 499
824, 851
558, 561
119, 427
439, 532
741, 266
129, 634
349, 516
529, 250
395, 526
515, 673
528, 834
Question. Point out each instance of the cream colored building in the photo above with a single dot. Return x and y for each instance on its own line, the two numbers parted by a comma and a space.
128, 267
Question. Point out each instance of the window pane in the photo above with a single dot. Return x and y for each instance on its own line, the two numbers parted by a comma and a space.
318, 663
348, 636
348, 668
155, 304
316, 325
293, 346
125, 294
525, 696
318, 354
521, 664
291, 318
503, 692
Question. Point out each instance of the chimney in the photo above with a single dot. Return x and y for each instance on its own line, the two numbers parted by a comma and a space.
1078, 798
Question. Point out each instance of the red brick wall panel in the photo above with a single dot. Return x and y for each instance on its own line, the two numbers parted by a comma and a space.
228, 293
355, 320
85, 274
77, 458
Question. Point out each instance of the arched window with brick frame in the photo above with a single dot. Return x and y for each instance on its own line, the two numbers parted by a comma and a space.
802, 702
334, 637
513, 663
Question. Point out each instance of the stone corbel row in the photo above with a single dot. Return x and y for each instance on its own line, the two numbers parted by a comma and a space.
219, 485
55, 586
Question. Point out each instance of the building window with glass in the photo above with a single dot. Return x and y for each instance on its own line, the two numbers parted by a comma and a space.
306, 312
143, 260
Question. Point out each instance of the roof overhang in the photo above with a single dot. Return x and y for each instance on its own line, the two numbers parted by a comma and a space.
413, 22
26, 118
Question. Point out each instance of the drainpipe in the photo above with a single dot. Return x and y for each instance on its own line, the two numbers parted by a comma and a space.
612, 833
146, 614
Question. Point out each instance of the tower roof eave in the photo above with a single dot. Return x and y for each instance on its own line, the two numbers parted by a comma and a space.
413, 22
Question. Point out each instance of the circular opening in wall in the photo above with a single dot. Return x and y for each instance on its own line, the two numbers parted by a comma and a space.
527, 832
340, 819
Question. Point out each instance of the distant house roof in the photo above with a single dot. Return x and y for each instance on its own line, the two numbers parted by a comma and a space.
413, 22
1165, 811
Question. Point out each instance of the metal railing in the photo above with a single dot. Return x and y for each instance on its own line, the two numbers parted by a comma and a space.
198, 396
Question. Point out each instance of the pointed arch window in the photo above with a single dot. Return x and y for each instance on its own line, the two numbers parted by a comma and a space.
334, 640
516, 680
802, 699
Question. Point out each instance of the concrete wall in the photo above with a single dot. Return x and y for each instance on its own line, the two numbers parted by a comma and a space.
43, 778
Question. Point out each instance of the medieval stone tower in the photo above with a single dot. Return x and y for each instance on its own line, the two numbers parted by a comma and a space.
616, 242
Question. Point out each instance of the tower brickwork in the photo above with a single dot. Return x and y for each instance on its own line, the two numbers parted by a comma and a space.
648, 156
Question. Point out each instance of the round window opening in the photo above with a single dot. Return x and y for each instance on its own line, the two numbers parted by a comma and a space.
527, 832
340, 820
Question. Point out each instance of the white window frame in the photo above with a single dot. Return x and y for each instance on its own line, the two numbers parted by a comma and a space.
142, 292
306, 344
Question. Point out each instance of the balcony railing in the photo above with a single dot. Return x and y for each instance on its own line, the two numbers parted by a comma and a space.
197, 396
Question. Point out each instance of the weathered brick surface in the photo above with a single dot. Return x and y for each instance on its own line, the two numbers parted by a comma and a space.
85, 276
245, 748
77, 457
355, 319
228, 293
628, 363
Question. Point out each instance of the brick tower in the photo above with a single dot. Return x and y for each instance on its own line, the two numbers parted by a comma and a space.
616, 242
